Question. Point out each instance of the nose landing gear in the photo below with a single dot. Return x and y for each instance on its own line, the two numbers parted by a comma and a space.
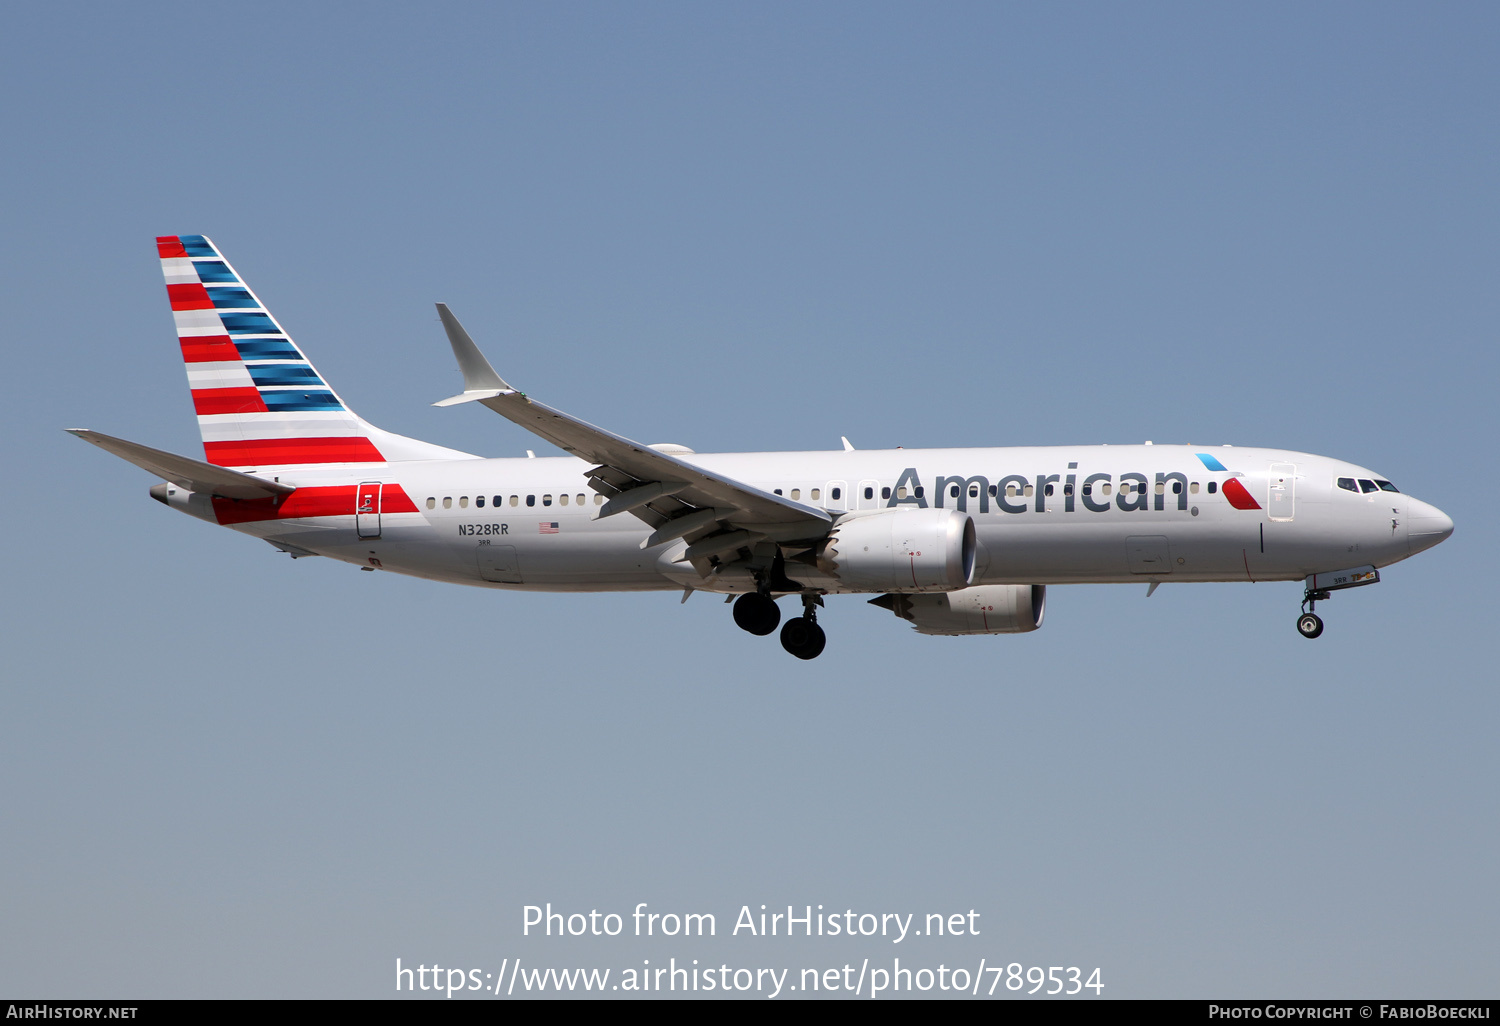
1319, 587
1310, 624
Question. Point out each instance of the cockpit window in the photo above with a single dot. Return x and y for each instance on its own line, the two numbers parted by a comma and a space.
1386, 486
1367, 486
1348, 485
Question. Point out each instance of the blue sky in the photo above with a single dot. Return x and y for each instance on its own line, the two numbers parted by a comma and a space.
745, 227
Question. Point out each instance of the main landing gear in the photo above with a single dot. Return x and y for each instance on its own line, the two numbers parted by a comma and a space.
802, 636
758, 613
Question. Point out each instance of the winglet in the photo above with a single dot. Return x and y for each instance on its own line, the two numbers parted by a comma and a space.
480, 379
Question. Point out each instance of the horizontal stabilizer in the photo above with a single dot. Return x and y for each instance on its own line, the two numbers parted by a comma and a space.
194, 475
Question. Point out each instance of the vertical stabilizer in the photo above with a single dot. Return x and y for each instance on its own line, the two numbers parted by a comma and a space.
260, 403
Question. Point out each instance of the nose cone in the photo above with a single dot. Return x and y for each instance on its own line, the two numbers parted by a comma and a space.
1426, 525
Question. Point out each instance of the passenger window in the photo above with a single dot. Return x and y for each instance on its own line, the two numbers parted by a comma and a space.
834, 494
515, 500
497, 500
1213, 486
1348, 485
1088, 489
1386, 486
1105, 488
885, 493
953, 492
479, 501
901, 492
974, 491
531, 500
778, 491
562, 499
447, 502
598, 499
869, 493
817, 493
796, 493
1010, 491
1030, 491
1367, 486
919, 491
546, 500
463, 502
1193, 487
1176, 487
431, 502
1067, 489
1161, 488
1048, 490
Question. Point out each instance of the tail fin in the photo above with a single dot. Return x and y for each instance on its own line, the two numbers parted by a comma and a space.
260, 403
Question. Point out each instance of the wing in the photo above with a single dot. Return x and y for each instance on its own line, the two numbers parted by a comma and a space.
716, 514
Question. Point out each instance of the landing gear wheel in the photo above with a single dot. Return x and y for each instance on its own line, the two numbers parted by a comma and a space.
757, 613
803, 638
1310, 625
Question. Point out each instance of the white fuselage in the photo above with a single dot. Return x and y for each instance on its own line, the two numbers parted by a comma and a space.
1114, 514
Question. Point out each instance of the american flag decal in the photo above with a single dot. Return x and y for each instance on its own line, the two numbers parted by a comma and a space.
547, 527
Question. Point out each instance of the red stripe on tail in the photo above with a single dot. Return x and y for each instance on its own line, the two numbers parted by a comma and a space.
270, 452
189, 297
211, 401
208, 349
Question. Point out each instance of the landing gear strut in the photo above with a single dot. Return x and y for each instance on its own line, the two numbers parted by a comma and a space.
802, 636
1310, 624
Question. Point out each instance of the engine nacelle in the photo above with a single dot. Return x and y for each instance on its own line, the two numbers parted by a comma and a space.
987, 609
901, 551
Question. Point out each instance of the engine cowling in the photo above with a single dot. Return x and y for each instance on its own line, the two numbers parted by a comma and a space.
901, 551
987, 609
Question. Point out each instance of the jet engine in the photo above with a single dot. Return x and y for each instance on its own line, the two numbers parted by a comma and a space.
987, 609
901, 551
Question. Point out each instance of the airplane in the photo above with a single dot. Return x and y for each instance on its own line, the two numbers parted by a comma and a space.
959, 541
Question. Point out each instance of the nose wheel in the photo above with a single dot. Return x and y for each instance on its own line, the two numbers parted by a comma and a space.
1310, 625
